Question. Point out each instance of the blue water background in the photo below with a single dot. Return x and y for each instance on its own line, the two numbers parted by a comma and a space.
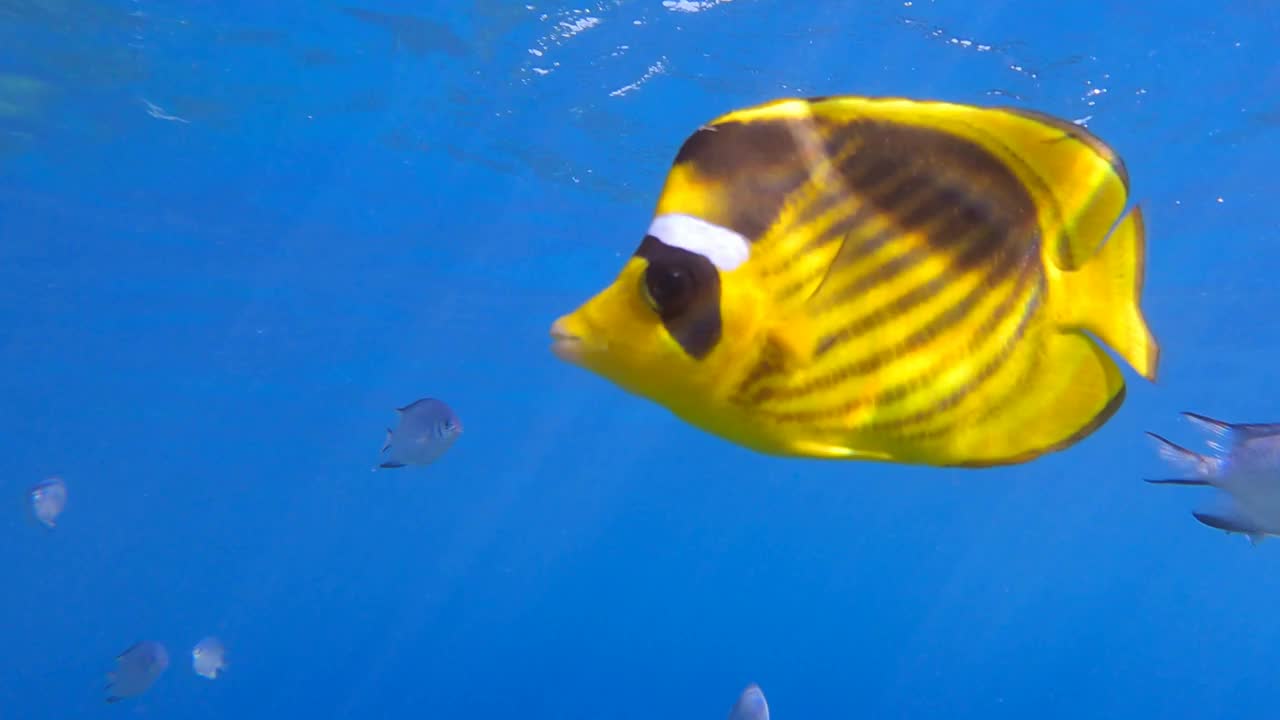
207, 320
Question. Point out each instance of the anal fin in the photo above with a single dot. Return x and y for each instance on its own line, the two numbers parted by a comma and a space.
1076, 388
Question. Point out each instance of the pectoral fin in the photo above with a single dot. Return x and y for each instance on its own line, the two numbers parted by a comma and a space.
824, 450
793, 344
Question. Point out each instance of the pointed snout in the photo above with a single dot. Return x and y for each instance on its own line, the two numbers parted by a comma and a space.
566, 339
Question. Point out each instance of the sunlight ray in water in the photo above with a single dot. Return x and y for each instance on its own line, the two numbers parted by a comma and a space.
261, 261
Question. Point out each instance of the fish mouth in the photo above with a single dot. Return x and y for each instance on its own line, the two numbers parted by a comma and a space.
566, 344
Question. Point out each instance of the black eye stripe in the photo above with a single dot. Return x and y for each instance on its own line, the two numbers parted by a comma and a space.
670, 288
685, 287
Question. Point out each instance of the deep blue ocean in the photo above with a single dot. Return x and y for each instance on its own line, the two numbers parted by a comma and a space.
235, 236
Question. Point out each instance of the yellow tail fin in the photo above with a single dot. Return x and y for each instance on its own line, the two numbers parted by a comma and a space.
1102, 296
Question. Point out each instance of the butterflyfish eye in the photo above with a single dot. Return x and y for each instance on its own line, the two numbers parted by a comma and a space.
683, 288
670, 288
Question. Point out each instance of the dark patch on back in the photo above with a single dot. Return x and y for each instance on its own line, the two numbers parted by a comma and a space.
756, 165
728, 148
691, 315
966, 201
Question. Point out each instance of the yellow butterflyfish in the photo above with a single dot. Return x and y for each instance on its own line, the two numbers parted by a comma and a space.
882, 279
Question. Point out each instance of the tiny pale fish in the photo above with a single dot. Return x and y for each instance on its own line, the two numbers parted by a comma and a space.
48, 500
209, 657
427, 428
136, 670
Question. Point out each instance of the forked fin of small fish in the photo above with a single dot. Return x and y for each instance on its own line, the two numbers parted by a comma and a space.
1245, 469
1233, 432
1231, 520
1203, 467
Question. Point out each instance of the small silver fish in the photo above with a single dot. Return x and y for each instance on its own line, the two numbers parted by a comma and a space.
427, 429
48, 500
136, 669
1246, 469
751, 705
208, 657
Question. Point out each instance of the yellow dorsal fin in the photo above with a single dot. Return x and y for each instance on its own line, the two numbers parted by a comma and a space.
1084, 179
1079, 184
837, 194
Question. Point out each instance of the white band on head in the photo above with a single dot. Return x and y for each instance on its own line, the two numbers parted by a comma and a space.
725, 248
